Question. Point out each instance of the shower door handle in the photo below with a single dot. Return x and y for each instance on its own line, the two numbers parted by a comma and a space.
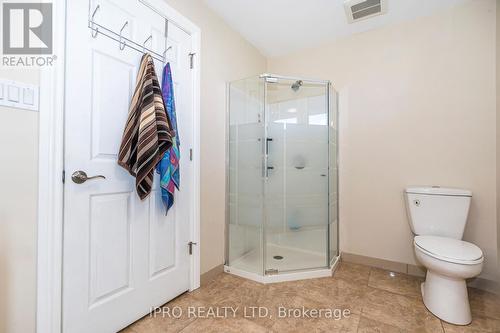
267, 170
267, 145
267, 154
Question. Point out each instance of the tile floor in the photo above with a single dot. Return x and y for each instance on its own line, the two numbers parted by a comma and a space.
377, 300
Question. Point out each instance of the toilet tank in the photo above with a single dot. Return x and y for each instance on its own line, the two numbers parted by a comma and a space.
437, 211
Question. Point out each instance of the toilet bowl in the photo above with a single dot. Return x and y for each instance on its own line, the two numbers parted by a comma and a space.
449, 262
437, 218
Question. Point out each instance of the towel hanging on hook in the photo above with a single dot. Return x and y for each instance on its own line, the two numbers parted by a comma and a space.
168, 167
148, 130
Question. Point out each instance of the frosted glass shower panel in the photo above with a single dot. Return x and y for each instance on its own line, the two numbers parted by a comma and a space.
245, 174
296, 187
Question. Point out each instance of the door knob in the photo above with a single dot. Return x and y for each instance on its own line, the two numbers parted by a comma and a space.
80, 177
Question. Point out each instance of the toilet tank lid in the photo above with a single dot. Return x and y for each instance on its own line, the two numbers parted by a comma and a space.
438, 190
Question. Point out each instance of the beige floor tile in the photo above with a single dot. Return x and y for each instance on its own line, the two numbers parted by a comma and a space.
281, 296
484, 303
395, 282
335, 293
372, 326
236, 325
353, 272
295, 325
404, 312
157, 325
377, 304
165, 323
229, 290
479, 325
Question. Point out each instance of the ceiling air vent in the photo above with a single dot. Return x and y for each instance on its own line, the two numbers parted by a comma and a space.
361, 9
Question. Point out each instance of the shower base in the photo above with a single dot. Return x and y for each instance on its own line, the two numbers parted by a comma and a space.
289, 268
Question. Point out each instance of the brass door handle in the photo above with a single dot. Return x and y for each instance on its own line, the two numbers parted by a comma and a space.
80, 177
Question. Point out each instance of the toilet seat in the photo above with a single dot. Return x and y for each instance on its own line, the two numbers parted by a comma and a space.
449, 249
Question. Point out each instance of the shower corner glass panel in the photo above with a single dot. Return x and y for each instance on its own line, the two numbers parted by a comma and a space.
246, 184
282, 175
333, 184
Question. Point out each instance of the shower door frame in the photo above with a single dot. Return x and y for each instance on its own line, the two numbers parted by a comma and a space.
332, 261
325, 84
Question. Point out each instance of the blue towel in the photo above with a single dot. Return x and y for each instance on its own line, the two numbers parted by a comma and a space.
168, 167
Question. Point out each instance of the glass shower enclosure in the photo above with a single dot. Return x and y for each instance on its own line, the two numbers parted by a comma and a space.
282, 178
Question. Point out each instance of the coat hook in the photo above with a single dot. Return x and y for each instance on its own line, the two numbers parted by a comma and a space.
144, 44
95, 31
122, 44
166, 41
165, 52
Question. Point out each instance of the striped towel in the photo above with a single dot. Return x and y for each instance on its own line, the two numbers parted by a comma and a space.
147, 135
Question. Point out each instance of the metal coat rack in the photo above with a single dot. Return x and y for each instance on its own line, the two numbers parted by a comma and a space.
123, 42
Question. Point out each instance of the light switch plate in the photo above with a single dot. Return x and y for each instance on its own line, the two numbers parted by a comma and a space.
19, 95
13, 93
28, 96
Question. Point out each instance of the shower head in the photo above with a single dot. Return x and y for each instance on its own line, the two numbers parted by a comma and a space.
296, 85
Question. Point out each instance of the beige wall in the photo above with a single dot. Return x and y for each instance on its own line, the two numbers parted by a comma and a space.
225, 56
498, 133
18, 205
417, 107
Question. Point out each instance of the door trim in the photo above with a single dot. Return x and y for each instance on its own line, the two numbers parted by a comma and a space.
51, 166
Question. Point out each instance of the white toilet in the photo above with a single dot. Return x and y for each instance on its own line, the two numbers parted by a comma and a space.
437, 217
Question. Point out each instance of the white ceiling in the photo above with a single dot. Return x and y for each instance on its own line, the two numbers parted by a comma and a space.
279, 27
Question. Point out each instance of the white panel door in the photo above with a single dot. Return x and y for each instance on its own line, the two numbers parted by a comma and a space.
122, 255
